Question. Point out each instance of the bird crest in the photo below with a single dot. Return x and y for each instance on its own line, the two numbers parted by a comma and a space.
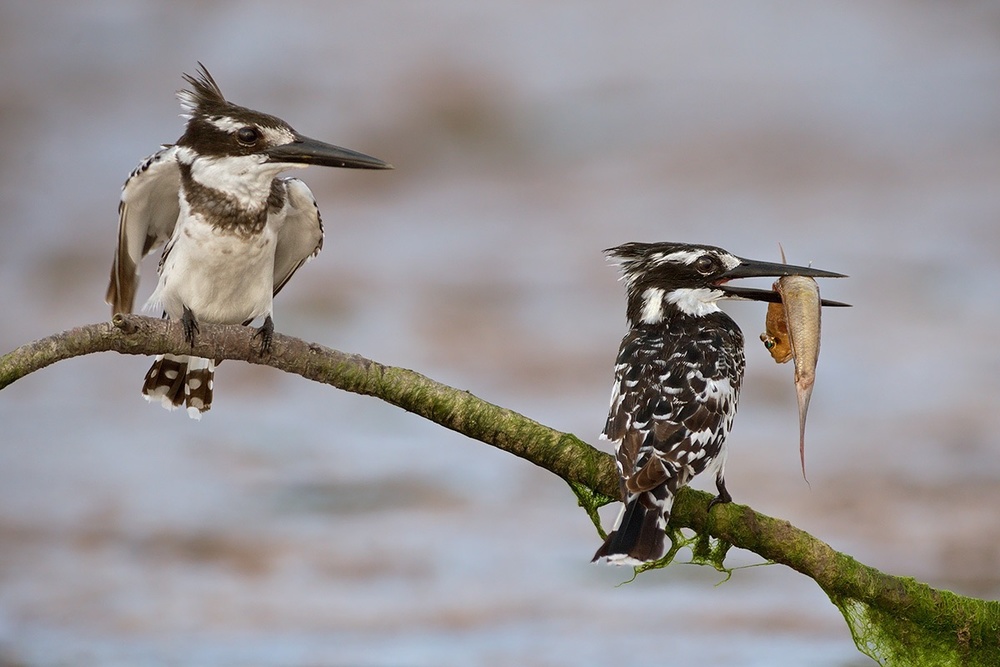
205, 98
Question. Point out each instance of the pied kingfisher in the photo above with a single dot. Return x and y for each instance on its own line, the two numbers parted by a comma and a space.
677, 381
234, 232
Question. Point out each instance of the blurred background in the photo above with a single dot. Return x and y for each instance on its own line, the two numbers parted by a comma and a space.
299, 525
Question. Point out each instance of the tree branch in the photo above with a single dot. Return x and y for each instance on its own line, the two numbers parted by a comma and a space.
887, 614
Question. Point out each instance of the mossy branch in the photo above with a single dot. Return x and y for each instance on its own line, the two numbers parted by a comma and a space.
897, 620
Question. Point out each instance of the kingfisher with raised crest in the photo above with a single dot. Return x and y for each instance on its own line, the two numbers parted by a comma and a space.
677, 381
234, 231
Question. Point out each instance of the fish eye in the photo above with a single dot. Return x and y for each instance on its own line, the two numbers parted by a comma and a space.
705, 265
769, 342
247, 135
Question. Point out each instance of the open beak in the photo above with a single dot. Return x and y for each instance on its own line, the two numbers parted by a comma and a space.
748, 268
311, 151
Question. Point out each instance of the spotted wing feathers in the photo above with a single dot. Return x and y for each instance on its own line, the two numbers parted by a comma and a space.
672, 405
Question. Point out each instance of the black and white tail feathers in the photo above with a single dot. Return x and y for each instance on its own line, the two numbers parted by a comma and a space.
181, 380
639, 535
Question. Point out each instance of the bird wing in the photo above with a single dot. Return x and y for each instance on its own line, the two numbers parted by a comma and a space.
301, 236
147, 214
667, 418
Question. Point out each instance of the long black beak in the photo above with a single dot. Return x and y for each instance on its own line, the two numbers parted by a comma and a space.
748, 268
311, 151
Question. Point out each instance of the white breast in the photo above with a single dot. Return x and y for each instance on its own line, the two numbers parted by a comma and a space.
221, 277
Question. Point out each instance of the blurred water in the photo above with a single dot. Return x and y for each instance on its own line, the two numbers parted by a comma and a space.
297, 525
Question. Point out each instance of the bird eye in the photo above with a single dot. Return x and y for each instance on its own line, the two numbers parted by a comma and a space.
705, 265
247, 136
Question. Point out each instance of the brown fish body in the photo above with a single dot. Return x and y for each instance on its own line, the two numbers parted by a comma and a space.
793, 332
775, 336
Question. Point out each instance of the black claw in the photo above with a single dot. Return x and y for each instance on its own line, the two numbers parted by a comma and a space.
723, 497
266, 335
190, 324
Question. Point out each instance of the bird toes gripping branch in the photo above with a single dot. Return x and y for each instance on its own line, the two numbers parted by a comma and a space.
723, 498
266, 335
190, 324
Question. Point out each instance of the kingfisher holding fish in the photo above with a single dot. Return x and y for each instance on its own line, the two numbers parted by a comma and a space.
677, 381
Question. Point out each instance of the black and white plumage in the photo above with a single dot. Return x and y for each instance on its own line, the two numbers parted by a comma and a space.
677, 382
233, 232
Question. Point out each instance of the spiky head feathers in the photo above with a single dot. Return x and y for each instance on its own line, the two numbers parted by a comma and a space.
204, 98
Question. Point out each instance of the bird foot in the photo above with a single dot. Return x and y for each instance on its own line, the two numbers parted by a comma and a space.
723, 496
266, 335
190, 324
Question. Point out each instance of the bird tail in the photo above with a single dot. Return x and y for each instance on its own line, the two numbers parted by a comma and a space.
639, 535
176, 380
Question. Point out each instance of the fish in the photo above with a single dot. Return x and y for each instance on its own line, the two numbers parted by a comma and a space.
792, 331
775, 336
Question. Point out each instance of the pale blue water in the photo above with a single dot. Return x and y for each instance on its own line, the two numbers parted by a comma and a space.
297, 525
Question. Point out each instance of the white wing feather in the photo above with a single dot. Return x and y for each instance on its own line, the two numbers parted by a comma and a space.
301, 236
147, 214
